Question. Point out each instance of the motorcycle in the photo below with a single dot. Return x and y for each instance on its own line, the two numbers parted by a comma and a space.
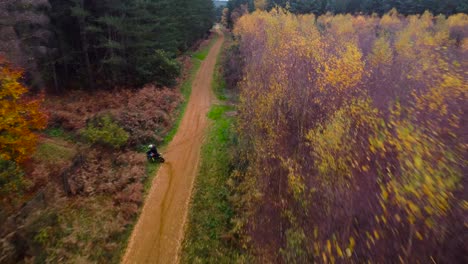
155, 158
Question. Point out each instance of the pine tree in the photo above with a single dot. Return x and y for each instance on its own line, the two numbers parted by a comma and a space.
124, 42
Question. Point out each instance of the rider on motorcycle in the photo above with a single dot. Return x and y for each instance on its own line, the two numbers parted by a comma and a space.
152, 152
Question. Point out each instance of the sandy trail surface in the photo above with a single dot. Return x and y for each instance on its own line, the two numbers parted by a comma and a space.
158, 234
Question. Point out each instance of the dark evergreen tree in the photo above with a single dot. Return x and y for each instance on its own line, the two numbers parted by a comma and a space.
375, 6
236, 6
406, 7
308, 6
124, 42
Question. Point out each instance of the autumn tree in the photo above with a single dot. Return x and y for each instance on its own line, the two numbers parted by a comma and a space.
20, 117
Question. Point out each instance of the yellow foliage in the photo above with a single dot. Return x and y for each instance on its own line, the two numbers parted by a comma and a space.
390, 20
329, 248
339, 251
342, 25
458, 20
344, 70
381, 53
390, 119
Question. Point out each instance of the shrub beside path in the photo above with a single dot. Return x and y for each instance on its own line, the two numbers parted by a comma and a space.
158, 234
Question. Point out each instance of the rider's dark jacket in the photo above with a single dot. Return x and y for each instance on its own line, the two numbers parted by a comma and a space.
152, 152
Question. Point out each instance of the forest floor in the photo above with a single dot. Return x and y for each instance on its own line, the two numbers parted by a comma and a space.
159, 232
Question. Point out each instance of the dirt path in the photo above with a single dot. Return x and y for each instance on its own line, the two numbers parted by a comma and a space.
158, 234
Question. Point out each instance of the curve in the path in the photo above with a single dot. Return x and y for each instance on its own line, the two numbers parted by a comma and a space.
158, 234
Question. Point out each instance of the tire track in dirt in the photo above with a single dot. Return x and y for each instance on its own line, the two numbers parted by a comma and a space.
159, 232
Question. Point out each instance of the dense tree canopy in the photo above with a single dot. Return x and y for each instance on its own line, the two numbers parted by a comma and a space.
88, 43
351, 137
406, 7
124, 41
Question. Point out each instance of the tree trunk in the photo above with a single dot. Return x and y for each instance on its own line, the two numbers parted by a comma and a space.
54, 72
85, 47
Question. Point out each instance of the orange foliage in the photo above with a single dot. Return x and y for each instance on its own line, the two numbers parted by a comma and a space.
19, 117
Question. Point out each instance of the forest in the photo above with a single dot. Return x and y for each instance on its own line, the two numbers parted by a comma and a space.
65, 44
338, 132
319, 7
85, 86
352, 136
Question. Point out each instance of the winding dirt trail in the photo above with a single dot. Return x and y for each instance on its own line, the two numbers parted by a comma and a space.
158, 234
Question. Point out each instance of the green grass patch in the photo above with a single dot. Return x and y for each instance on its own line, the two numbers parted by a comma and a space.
59, 132
53, 151
105, 131
217, 111
201, 55
151, 169
203, 52
218, 83
55, 132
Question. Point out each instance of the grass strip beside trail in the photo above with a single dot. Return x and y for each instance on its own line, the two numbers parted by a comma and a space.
218, 83
207, 238
202, 53
210, 212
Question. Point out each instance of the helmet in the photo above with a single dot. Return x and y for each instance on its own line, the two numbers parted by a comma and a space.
150, 146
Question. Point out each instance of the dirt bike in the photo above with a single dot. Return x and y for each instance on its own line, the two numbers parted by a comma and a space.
155, 158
